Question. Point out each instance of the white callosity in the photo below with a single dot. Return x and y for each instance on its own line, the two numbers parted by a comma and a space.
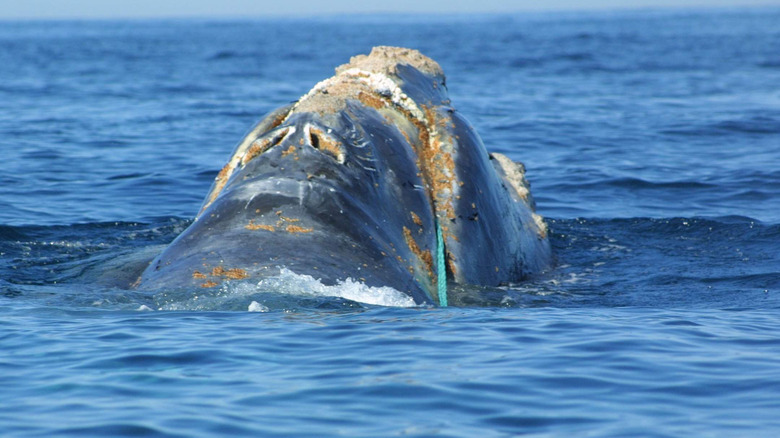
380, 83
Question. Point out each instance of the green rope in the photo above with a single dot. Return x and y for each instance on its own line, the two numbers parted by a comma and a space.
441, 273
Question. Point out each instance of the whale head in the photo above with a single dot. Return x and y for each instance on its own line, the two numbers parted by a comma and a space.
355, 180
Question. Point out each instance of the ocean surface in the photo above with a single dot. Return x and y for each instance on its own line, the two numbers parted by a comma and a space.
652, 142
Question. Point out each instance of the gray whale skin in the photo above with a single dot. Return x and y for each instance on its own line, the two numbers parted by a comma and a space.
351, 181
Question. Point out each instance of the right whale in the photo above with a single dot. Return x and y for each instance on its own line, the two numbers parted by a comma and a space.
372, 175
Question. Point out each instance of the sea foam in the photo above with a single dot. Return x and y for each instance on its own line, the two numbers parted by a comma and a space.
289, 282
277, 291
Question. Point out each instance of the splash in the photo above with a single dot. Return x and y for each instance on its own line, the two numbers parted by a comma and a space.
284, 291
254, 306
288, 282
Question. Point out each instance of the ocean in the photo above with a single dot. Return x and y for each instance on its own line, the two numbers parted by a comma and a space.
652, 143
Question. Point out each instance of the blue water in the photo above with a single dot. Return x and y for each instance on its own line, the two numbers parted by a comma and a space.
652, 141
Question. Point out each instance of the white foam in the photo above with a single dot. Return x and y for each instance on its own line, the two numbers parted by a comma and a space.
292, 283
254, 306
287, 283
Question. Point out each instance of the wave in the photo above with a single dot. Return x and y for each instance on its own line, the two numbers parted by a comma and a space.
634, 183
755, 125
725, 261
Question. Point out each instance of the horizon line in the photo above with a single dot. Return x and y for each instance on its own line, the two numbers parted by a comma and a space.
377, 13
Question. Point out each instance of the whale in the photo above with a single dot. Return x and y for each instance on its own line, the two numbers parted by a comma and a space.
371, 176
